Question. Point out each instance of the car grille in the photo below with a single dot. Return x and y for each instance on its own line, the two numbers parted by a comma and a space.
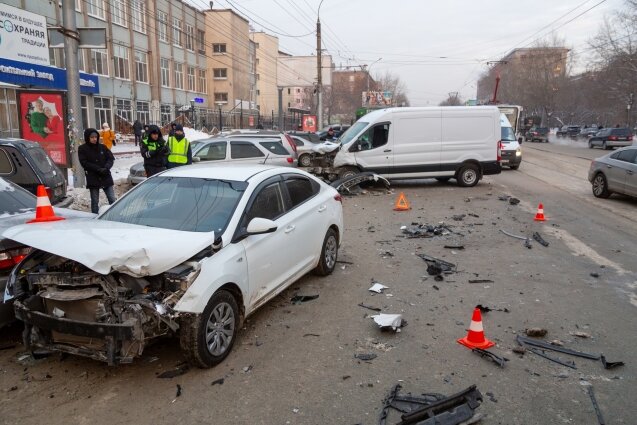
508, 154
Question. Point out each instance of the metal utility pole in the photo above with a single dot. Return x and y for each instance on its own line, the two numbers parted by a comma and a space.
71, 43
280, 89
368, 69
319, 70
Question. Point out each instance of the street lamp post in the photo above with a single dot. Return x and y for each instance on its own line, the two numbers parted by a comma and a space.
628, 108
220, 117
368, 69
192, 113
319, 66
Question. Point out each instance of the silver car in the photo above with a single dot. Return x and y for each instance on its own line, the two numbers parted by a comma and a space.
615, 173
234, 150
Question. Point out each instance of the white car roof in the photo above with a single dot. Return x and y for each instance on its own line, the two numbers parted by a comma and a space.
225, 171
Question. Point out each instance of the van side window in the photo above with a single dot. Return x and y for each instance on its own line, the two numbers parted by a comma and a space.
374, 137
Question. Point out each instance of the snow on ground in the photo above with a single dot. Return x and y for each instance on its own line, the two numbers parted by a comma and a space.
192, 134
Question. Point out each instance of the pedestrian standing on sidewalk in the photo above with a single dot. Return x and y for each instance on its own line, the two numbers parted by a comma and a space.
154, 151
108, 136
97, 162
137, 129
179, 148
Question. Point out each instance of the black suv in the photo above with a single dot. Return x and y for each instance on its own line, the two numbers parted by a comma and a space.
538, 134
609, 138
568, 130
28, 165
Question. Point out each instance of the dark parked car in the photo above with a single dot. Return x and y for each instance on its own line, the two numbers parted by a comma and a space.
28, 165
16, 207
615, 173
609, 138
589, 131
568, 130
538, 134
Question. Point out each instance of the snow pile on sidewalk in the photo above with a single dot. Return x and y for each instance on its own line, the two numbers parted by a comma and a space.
192, 134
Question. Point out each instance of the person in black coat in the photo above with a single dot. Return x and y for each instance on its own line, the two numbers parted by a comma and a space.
154, 151
97, 162
137, 129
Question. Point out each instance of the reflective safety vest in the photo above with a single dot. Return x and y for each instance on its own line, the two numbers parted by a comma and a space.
178, 150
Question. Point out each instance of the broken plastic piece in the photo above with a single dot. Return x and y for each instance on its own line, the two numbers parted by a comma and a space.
388, 321
369, 307
180, 370
540, 239
492, 356
541, 344
298, 299
378, 288
480, 281
345, 186
365, 356
598, 411
437, 266
514, 201
557, 360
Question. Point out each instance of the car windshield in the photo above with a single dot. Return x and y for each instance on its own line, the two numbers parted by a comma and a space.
352, 132
41, 159
507, 134
179, 203
14, 200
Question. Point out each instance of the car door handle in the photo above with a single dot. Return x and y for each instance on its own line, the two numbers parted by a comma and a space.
387, 150
322, 208
289, 229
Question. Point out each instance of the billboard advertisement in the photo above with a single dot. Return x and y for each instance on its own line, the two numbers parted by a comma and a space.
43, 120
23, 36
377, 98
309, 123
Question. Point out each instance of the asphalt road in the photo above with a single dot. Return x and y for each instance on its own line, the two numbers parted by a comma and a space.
294, 364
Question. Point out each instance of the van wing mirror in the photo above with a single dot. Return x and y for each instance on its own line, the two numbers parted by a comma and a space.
520, 140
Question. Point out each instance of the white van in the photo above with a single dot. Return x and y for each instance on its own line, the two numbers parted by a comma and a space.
511, 150
438, 142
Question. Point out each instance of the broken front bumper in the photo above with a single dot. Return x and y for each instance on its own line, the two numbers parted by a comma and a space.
99, 341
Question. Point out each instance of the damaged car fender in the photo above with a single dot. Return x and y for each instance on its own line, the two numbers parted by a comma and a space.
344, 158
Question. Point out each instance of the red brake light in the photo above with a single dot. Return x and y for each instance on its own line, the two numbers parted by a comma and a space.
290, 160
338, 198
499, 150
612, 137
12, 257
291, 142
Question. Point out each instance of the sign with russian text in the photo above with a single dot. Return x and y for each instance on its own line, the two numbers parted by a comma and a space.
23, 36
46, 77
43, 120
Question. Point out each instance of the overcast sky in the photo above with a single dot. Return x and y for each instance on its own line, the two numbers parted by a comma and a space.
436, 47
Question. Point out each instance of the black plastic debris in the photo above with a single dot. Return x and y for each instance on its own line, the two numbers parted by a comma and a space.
458, 247
350, 185
499, 360
436, 266
431, 408
557, 360
417, 230
169, 374
219, 381
539, 239
369, 307
366, 357
458, 217
595, 275
598, 411
514, 201
298, 299
480, 281
503, 197
485, 309
306, 335
178, 391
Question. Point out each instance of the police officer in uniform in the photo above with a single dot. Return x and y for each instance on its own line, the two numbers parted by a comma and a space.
179, 152
154, 151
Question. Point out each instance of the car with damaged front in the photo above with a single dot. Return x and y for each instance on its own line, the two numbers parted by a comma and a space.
185, 253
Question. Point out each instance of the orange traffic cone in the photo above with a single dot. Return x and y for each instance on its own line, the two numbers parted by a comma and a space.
539, 216
43, 209
475, 337
402, 204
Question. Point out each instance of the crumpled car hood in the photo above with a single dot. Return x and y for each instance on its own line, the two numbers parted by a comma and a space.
106, 246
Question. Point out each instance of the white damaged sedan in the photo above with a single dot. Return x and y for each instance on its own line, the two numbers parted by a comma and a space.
189, 252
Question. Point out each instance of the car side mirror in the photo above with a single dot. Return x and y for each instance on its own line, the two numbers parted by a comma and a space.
196, 159
103, 209
520, 140
259, 226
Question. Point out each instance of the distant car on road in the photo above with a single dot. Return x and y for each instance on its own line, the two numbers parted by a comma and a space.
609, 138
589, 131
26, 164
568, 130
615, 173
538, 134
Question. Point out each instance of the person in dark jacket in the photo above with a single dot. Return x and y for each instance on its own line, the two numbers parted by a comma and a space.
137, 129
173, 126
179, 151
154, 151
144, 133
97, 162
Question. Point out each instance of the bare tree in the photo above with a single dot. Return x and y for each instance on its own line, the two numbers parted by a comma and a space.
453, 99
392, 83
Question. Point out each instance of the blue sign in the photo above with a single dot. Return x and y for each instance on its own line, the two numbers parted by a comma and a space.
49, 77
198, 100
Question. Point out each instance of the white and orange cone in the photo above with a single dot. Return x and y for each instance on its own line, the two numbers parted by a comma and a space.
43, 209
539, 216
475, 337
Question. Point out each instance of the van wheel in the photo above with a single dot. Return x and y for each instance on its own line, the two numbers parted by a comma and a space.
468, 176
443, 179
347, 172
305, 160
329, 254
207, 338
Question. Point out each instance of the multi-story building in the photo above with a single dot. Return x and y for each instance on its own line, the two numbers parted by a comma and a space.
154, 63
267, 51
347, 93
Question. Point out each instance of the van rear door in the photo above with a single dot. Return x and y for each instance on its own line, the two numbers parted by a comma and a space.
416, 143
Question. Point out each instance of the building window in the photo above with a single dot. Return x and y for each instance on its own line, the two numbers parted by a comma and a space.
176, 32
257, 62
166, 114
95, 8
141, 66
138, 20
118, 11
258, 92
219, 48
221, 97
289, 91
143, 112
164, 64
84, 103
162, 26
121, 60
124, 109
298, 101
103, 108
190, 37
191, 78
179, 75
220, 73
203, 84
258, 77
80, 60
78, 5
201, 41
99, 61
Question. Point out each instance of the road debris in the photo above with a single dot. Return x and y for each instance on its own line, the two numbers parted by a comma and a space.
527, 243
514, 201
485, 309
523, 238
542, 353
519, 350
366, 357
389, 321
369, 307
7, 345
458, 247
580, 334
536, 332
539, 239
351, 185
247, 369
298, 299
436, 267
178, 371
595, 275
378, 288
480, 281
500, 361
417, 230
431, 408
458, 217
598, 411
178, 391
386, 254
219, 381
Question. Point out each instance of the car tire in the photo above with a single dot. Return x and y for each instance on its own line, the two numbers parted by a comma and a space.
514, 167
468, 175
197, 330
590, 144
305, 160
443, 179
600, 186
346, 172
329, 254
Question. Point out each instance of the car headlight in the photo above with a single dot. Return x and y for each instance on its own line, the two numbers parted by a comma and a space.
518, 152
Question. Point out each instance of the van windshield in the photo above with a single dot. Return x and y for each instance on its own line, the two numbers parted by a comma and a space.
507, 134
352, 132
